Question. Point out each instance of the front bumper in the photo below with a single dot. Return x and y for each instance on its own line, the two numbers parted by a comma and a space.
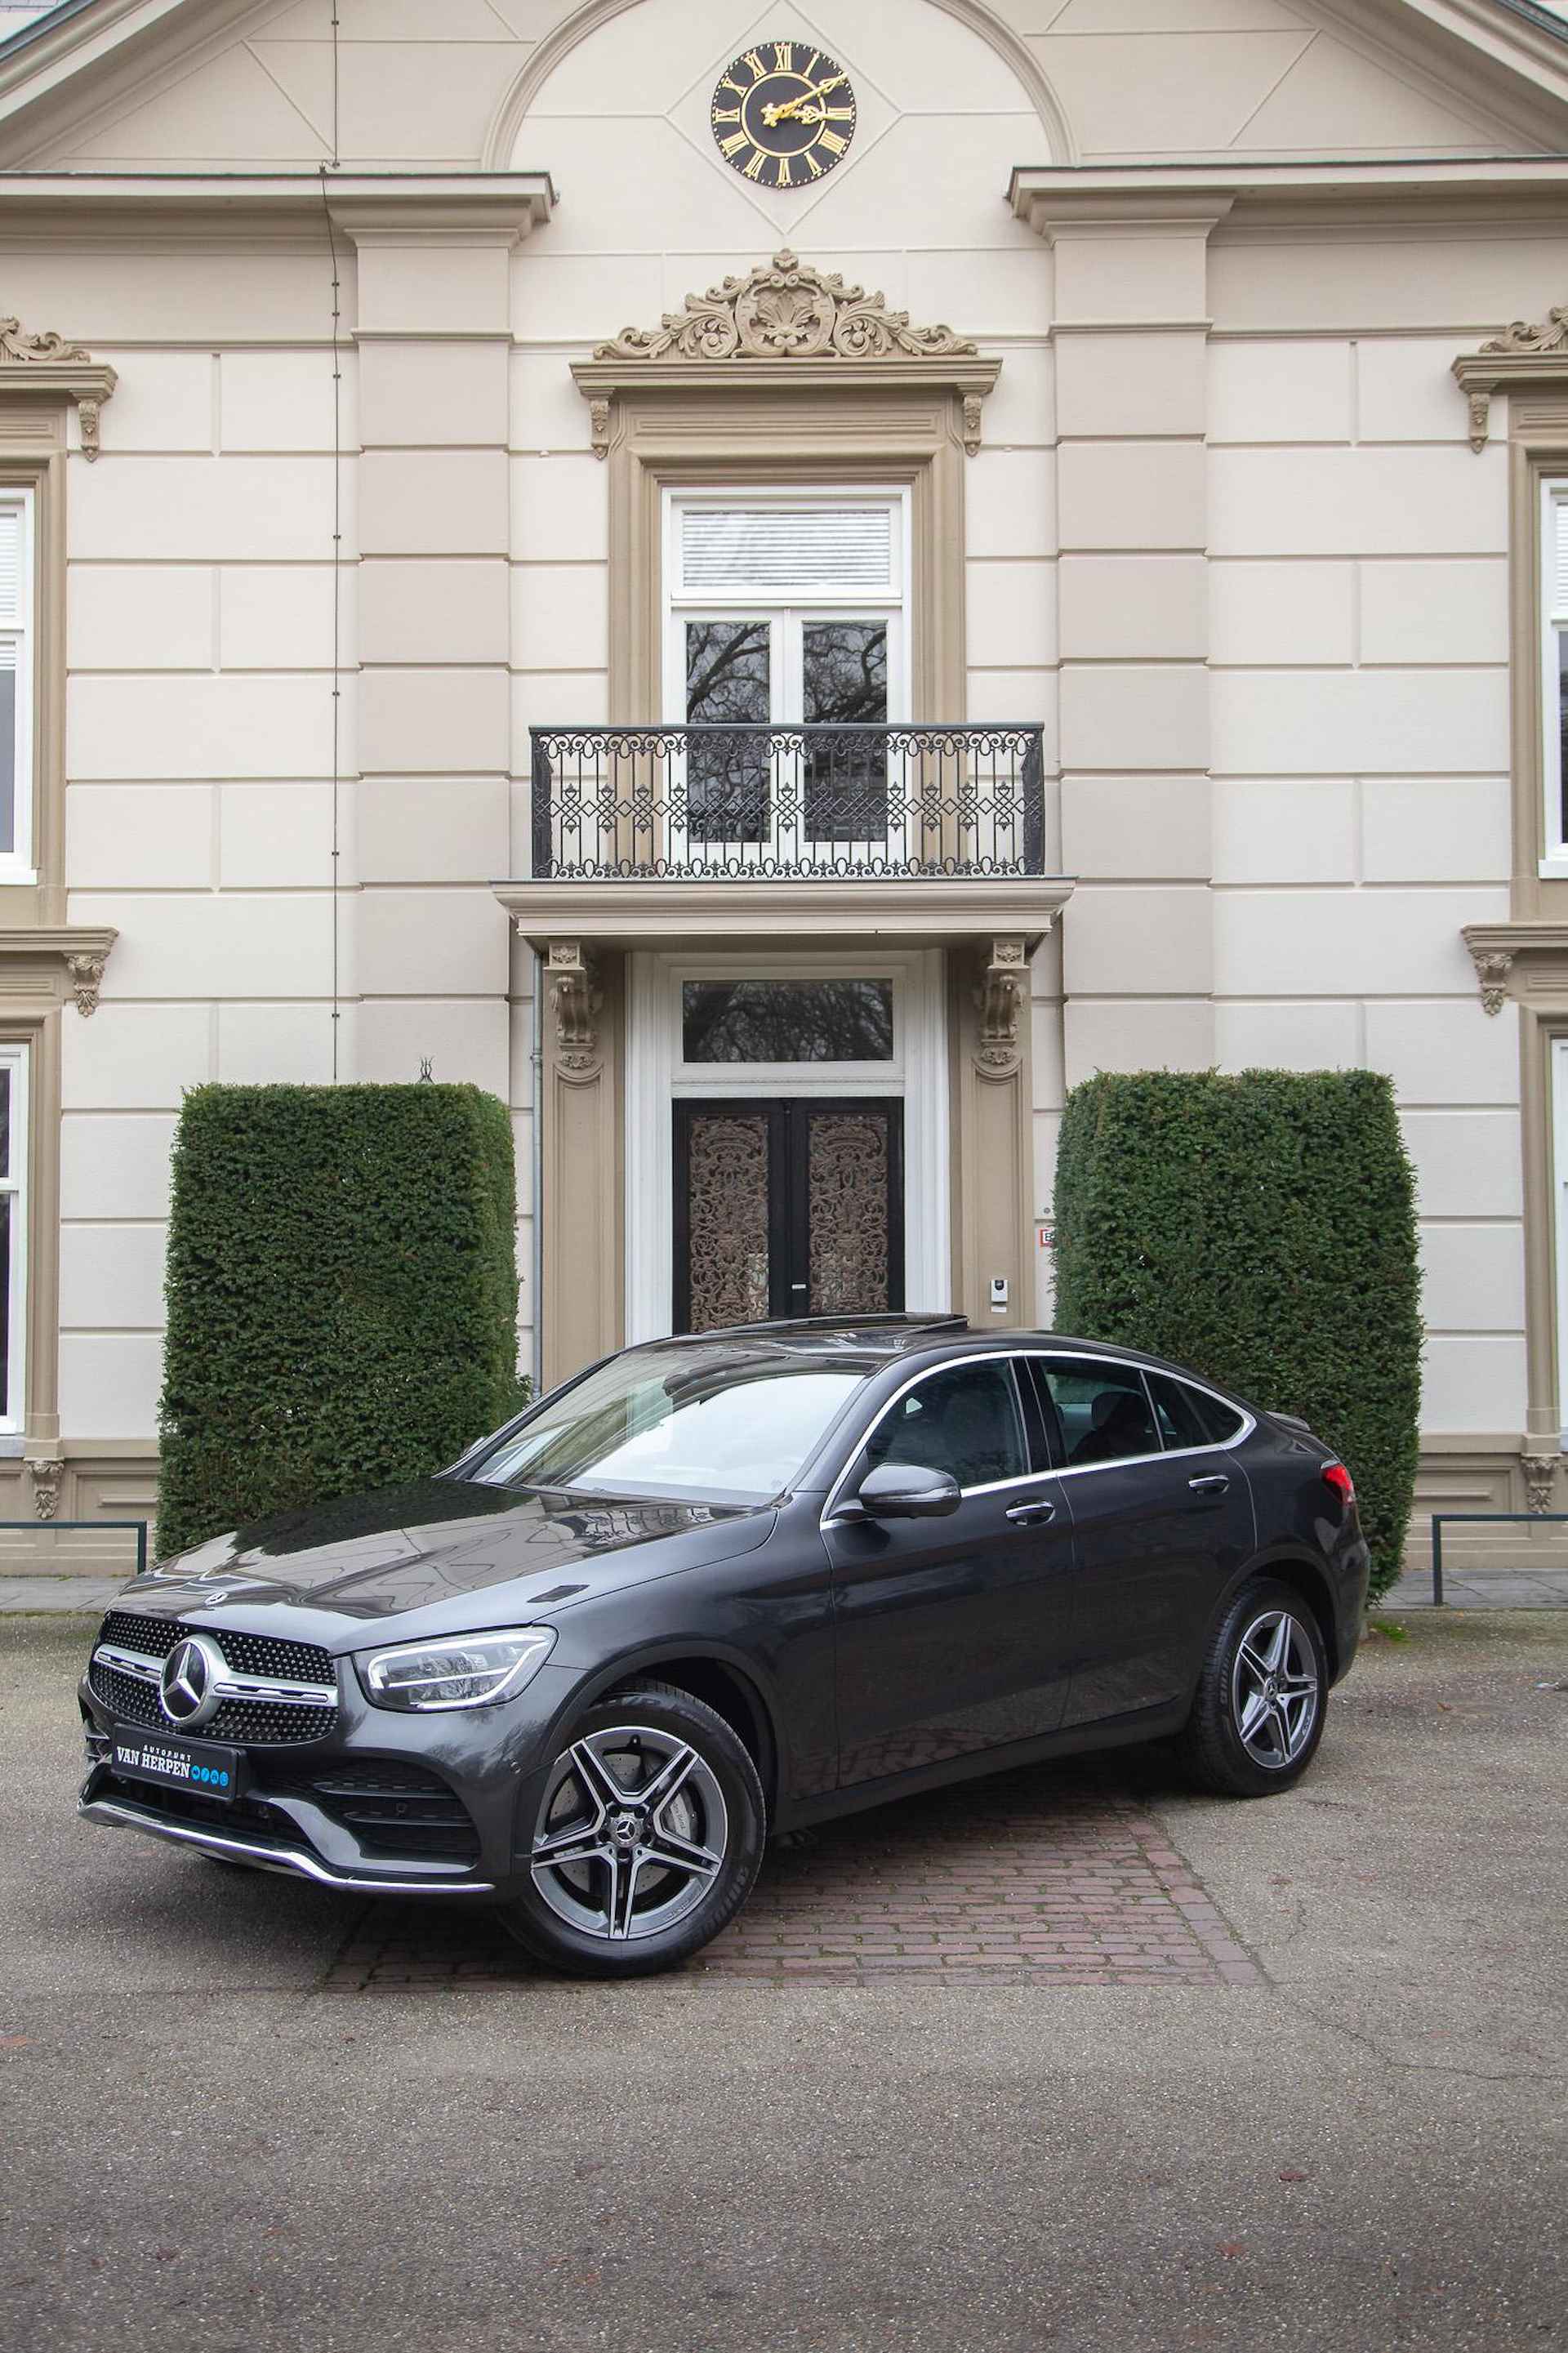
483, 1765
295, 1861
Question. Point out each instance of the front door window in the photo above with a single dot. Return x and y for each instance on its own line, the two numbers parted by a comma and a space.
787, 1208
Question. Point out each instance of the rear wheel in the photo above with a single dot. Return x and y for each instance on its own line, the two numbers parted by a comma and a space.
646, 1832
1259, 1714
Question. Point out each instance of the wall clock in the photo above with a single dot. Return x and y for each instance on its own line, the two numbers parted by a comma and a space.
783, 115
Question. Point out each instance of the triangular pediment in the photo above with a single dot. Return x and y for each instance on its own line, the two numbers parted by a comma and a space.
177, 85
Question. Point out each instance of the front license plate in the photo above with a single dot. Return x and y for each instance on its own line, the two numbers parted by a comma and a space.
201, 1766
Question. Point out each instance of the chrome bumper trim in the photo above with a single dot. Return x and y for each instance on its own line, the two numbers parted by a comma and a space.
291, 1860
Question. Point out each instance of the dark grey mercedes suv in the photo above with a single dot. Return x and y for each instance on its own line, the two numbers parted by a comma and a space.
717, 1589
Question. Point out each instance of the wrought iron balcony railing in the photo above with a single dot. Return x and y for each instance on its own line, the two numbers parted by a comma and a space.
752, 803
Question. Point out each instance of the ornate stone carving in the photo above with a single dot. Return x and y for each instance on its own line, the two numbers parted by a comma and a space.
66, 367
1492, 968
575, 999
1001, 996
15, 344
599, 426
1552, 335
87, 978
1524, 355
1540, 1478
785, 309
46, 1477
727, 1210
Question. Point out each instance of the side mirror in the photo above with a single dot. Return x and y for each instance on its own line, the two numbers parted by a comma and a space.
904, 1490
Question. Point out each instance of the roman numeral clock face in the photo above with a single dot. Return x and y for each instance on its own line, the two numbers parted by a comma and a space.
783, 115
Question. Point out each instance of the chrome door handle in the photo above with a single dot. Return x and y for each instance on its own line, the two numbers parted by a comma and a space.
1026, 1514
1215, 1484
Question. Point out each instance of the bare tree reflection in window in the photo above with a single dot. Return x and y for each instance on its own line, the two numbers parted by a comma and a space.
845, 683
727, 685
787, 1021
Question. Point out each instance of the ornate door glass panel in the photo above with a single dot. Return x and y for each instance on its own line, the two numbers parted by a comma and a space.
847, 1204
787, 1208
726, 1192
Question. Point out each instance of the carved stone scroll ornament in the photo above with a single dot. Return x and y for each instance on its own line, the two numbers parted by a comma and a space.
1492, 968
52, 364
86, 978
1540, 1478
46, 1477
575, 999
1524, 355
1000, 998
785, 309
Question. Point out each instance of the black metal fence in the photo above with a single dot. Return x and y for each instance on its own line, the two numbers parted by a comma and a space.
1441, 1520
809, 803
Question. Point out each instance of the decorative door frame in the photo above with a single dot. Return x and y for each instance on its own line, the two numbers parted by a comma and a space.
655, 1078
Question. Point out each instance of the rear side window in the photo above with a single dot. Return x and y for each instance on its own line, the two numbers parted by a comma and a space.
1103, 1410
1190, 1416
963, 1420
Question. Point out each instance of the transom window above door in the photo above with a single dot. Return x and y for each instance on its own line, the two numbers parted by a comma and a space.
785, 612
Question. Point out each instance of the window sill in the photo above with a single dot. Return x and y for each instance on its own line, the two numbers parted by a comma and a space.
24, 878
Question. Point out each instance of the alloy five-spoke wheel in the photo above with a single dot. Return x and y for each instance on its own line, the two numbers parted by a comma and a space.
1258, 1715
1276, 1689
643, 1839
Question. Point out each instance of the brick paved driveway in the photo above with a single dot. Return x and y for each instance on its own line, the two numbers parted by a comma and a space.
1042, 1876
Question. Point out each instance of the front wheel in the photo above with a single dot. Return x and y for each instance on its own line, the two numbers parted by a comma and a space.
645, 1837
1258, 1716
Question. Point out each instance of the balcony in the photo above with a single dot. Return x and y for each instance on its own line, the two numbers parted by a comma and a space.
649, 833
801, 804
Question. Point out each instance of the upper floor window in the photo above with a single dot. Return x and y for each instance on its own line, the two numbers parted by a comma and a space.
1555, 667
13, 1233
17, 649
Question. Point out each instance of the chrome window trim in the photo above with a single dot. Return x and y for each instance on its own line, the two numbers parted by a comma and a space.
1062, 1470
1166, 1454
277, 1690
926, 1373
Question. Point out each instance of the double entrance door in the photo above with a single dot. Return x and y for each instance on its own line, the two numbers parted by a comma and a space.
791, 1206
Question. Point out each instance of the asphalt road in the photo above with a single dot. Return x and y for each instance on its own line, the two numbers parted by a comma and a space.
199, 2146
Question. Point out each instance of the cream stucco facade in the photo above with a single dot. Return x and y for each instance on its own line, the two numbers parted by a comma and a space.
339, 484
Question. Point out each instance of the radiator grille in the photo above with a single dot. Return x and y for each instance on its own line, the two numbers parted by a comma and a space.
250, 1723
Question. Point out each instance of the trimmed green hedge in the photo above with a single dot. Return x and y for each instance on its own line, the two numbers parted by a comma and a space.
1262, 1229
341, 1287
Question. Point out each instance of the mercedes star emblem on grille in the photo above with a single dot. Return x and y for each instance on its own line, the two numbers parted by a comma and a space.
188, 1686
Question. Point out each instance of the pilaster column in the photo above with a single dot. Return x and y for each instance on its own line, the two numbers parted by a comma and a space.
1130, 328
433, 825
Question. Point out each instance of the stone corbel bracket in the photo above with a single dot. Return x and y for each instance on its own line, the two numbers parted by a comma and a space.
1523, 358
56, 961
786, 326
1540, 1479
1002, 999
46, 364
47, 1476
576, 1000
1512, 958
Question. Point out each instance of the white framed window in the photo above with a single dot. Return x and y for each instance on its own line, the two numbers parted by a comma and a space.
17, 637
13, 1235
786, 608
1553, 594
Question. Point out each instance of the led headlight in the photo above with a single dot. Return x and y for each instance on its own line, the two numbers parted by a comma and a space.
463, 1671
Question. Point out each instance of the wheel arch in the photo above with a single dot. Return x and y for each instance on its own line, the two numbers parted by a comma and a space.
722, 1682
1308, 1578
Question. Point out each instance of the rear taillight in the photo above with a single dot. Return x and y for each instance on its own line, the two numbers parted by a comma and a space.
1336, 1476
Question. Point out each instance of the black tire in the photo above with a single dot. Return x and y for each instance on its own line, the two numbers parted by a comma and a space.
724, 1815
1213, 1748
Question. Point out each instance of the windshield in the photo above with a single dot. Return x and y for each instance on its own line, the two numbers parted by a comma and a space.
709, 1424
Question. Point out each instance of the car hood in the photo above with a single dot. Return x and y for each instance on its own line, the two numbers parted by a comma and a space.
448, 1555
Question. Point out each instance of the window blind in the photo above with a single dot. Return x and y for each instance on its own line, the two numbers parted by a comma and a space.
822, 550
1557, 554
12, 541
